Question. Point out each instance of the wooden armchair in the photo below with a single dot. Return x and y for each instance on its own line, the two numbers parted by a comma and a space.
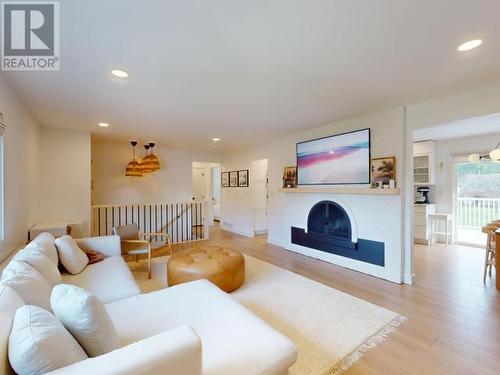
133, 242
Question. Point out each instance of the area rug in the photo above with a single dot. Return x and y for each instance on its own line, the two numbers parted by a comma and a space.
331, 329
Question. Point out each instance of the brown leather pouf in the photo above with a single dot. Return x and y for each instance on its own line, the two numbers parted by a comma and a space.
223, 266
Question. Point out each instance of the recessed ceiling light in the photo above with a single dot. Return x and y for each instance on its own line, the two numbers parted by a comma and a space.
104, 125
471, 44
216, 139
119, 73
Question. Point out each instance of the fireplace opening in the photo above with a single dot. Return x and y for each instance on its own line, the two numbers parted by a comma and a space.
330, 219
329, 229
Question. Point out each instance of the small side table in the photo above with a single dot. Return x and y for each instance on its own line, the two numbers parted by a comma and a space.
57, 229
435, 219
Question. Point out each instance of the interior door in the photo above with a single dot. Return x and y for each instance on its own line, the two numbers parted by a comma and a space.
199, 184
216, 192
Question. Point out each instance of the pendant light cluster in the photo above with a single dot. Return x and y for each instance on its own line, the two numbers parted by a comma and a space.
494, 155
149, 163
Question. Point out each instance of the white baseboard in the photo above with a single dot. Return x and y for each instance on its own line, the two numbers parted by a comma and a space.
236, 231
259, 232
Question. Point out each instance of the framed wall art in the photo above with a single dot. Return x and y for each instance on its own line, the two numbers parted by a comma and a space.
224, 179
243, 178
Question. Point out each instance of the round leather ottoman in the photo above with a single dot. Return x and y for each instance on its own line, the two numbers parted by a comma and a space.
223, 266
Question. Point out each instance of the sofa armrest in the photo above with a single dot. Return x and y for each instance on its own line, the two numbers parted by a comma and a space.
108, 245
177, 351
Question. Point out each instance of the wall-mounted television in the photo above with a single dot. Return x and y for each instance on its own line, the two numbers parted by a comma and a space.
335, 160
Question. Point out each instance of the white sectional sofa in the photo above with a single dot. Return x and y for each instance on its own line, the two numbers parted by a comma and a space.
189, 329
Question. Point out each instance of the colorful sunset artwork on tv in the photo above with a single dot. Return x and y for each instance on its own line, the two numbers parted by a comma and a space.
338, 159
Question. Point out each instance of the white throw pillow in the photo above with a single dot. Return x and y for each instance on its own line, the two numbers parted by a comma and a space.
39, 343
9, 303
44, 243
84, 316
28, 283
42, 264
72, 257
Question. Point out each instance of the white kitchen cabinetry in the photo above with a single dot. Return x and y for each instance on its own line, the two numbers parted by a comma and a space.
424, 161
421, 223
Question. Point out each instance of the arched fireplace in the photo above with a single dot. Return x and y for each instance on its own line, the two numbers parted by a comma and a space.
329, 220
329, 229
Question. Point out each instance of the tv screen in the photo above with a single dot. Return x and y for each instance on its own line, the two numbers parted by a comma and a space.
338, 159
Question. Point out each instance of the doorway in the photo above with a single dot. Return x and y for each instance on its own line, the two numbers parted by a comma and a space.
476, 199
216, 192
206, 187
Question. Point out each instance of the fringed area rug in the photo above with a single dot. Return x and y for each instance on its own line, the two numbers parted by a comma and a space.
331, 329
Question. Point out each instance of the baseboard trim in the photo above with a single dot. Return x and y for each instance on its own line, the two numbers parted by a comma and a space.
236, 231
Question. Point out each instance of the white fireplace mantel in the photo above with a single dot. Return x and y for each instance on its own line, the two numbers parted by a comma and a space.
341, 190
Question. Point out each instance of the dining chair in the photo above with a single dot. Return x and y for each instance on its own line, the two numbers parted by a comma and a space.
133, 242
490, 249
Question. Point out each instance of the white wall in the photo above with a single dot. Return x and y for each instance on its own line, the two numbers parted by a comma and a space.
21, 161
241, 207
64, 185
172, 183
381, 218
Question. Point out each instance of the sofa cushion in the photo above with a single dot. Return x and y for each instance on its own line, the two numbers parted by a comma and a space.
42, 264
84, 316
233, 337
44, 243
39, 343
71, 256
9, 303
109, 280
28, 283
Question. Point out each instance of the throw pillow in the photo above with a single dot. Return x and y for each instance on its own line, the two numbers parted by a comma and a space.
44, 243
9, 303
72, 257
39, 343
28, 283
42, 264
85, 317
94, 256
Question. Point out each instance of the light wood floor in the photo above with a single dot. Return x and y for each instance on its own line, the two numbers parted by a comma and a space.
453, 322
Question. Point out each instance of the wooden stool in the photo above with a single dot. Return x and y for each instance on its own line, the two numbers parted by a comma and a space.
490, 249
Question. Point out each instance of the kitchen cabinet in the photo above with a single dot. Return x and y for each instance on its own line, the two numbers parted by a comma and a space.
421, 224
424, 161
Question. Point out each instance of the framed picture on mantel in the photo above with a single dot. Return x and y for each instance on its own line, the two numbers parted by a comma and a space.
384, 172
290, 177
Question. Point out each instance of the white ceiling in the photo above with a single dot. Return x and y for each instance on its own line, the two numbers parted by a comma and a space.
250, 70
460, 129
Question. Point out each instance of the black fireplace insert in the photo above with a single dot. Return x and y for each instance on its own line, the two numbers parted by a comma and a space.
329, 229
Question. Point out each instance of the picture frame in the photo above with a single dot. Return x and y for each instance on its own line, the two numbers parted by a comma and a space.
290, 177
383, 170
224, 179
243, 178
338, 159
233, 179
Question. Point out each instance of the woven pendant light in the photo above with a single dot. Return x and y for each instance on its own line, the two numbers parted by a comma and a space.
134, 167
146, 165
153, 160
